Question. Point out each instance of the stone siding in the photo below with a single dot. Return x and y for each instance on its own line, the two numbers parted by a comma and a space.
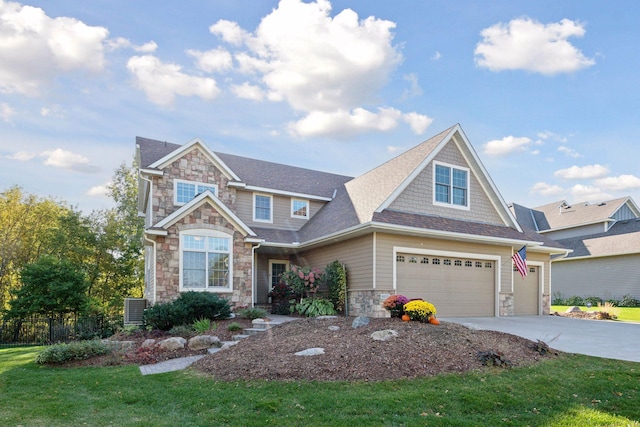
366, 303
506, 304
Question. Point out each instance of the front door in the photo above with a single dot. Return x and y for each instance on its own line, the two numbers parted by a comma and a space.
276, 268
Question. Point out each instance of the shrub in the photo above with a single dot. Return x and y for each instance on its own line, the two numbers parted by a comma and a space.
204, 325
629, 301
184, 331
594, 301
235, 326
79, 350
395, 304
494, 358
313, 307
303, 280
574, 300
613, 302
186, 309
557, 299
159, 316
253, 313
335, 276
419, 310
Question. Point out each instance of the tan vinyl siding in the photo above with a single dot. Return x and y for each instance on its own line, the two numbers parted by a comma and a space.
385, 261
418, 196
282, 218
606, 277
356, 254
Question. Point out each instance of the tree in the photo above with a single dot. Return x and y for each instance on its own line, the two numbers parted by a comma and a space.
50, 287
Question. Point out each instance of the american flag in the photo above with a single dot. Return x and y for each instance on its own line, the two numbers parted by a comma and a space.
520, 261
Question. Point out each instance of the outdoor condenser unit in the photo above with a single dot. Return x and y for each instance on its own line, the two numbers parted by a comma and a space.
133, 310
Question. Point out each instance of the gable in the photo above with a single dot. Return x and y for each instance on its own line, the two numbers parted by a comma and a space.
418, 197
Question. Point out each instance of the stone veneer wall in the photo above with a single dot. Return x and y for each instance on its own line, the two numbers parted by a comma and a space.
506, 304
366, 303
168, 257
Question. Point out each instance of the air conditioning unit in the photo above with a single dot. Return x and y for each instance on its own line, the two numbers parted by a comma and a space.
133, 310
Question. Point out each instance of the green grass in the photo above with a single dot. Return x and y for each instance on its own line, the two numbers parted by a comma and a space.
561, 391
625, 314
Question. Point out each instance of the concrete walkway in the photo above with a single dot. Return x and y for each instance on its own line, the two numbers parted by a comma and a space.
600, 338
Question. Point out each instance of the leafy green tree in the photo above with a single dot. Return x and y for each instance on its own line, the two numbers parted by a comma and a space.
50, 287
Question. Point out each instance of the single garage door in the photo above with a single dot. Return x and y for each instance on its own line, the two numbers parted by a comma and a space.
456, 286
526, 295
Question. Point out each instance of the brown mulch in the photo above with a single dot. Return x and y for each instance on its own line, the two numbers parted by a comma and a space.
419, 350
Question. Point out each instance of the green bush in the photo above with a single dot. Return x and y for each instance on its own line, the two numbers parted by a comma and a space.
629, 301
574, 300
204, 325
235, 326
79, 350
313, 307
335, 276
252, 313
613, 302
184, 331
557, 299
593, 300
186, 309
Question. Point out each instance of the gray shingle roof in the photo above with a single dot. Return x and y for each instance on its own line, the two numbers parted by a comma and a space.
561, 214
622, 238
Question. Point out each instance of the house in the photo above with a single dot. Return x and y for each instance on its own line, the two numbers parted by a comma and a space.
605, 243
429, 224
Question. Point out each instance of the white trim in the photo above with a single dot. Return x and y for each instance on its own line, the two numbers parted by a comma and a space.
270, 220
434, 252
154, 172
451, 168
284, 193
163, 162
293, 215
203, 232
196, 184
196, 203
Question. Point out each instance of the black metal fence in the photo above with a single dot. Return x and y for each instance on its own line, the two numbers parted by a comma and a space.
52, 330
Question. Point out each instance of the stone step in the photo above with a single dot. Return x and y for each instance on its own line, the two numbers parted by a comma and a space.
254, 331
239, 337
261, 324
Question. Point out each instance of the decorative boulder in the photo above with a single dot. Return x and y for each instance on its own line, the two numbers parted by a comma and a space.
334, 328
148, 343
359, 322
174, 343
200, 342
384, 335
311, 352
118, 345
573, 309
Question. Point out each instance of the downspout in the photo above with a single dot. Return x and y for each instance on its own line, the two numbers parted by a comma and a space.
144, 236
254, 290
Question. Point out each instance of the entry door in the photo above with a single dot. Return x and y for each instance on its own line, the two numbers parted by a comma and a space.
276, 268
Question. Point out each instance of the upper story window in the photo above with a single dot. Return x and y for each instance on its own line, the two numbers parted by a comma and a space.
262, 208
184, 191
299, 208
451, 185
206, 262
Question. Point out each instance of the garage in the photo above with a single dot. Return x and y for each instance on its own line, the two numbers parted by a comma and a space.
456, 286
526, 293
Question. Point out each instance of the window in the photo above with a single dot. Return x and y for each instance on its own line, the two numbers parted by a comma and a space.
478, 264
457, 263
413, 260
468, 264
262, 207
451, 186
424, 261
447, 262
184, 191
299, 208
399, 258
206, 260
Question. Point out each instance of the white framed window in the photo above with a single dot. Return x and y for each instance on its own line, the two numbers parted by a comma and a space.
206, 261
299, 208
184, 191
450, 185
263, 208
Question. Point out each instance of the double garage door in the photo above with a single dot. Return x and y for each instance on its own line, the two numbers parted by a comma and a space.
462, 287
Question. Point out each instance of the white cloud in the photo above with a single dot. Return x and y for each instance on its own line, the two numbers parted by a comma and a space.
345, 123
213, 60
22, 156
584, 172
147, 47
393, 148
619, 183
588, 193
121, 43
99, 190
162, 82
55, 111
545, 189
436, 56
414, 88
554, 136
418, 122
68, 160
248, 91
507, 145
525, 44
230, 32
6, 112
570, 152
36, 48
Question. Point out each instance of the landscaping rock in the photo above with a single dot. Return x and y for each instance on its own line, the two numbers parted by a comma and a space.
326, 317
359, 322
173, 343
200, 342
119, 345
150, 342
573, 309
311, 352
334, 328
384, 335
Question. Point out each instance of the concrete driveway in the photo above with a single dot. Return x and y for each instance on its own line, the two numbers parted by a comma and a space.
600, 338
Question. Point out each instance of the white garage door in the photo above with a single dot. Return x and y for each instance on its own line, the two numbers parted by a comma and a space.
526, 295
456, 286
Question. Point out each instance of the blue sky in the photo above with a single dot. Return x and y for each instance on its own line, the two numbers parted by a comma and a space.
547, 92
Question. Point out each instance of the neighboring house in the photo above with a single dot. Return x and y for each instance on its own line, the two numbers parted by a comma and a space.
429, 224
605, 243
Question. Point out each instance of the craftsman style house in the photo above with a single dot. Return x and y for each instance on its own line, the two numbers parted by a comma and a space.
429, 224
605, 242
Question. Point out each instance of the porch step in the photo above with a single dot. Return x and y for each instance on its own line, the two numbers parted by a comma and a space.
254, 331
261, 324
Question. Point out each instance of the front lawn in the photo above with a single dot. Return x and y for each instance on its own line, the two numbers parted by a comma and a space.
624, 314
568, 390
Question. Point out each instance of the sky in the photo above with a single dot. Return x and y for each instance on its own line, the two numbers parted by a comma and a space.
547, 92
